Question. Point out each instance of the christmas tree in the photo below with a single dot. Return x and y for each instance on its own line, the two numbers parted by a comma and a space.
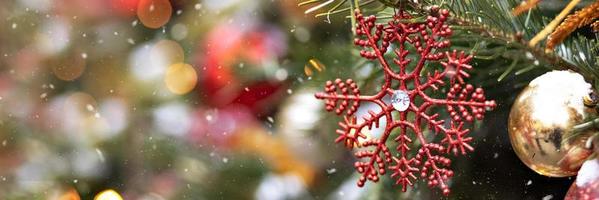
214, 99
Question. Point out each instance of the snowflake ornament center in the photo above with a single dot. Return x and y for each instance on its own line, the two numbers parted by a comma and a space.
408, 153
400, 100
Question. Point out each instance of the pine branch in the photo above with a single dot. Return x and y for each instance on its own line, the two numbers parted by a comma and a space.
326, 8
583, 53
490, 30
495, 24
514, 40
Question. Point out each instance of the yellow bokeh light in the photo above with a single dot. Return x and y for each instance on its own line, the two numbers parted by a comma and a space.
180, 78
108, 195
154, 13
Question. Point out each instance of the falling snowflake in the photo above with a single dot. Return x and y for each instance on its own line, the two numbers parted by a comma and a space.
409, 106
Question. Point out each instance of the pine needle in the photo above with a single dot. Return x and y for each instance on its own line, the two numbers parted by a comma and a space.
525, 6
508, 70
319, 6
582, 17
549, 28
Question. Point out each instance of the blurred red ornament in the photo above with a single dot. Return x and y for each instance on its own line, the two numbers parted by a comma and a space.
125, 7
228, 47
409, 104
257, 95
586, 186
263, 44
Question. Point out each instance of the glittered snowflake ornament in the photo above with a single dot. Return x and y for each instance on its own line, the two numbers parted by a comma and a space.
406, 153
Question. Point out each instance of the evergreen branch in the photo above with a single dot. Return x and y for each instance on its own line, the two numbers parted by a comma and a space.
338, 6
582, 128
488, 24
586, 125
494, 20
509, 69
583, 53
334, 9
319, 6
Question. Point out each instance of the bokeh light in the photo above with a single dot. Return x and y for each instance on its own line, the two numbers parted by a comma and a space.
167, 52
154, 13
180, 78
108, 195
69, 67
70, 194
173, 118
179, 31
82, 103
144, 66
53, 36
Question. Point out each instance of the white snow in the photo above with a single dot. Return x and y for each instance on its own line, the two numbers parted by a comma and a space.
588, 172
555, 89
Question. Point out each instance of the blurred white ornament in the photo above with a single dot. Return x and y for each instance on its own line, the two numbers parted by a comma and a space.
350, 191
173, 118
144, 68
53, 37
40, 167
113, 118
296, 122
179, 31
217, 5
280, 187
37, 5
85, 162
301, 34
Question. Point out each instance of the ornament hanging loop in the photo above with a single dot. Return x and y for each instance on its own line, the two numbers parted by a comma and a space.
591, 100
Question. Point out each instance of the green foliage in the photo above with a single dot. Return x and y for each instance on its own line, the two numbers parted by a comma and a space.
487, 29
583, 53
491, 24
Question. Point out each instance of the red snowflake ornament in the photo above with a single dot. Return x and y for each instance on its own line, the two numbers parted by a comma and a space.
408, 109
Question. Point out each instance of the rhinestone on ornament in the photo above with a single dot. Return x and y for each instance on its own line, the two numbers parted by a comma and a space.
400, 100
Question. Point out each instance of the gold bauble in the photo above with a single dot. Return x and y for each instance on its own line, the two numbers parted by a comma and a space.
541, 121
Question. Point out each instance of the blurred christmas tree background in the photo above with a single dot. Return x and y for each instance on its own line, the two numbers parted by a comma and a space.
214, 99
